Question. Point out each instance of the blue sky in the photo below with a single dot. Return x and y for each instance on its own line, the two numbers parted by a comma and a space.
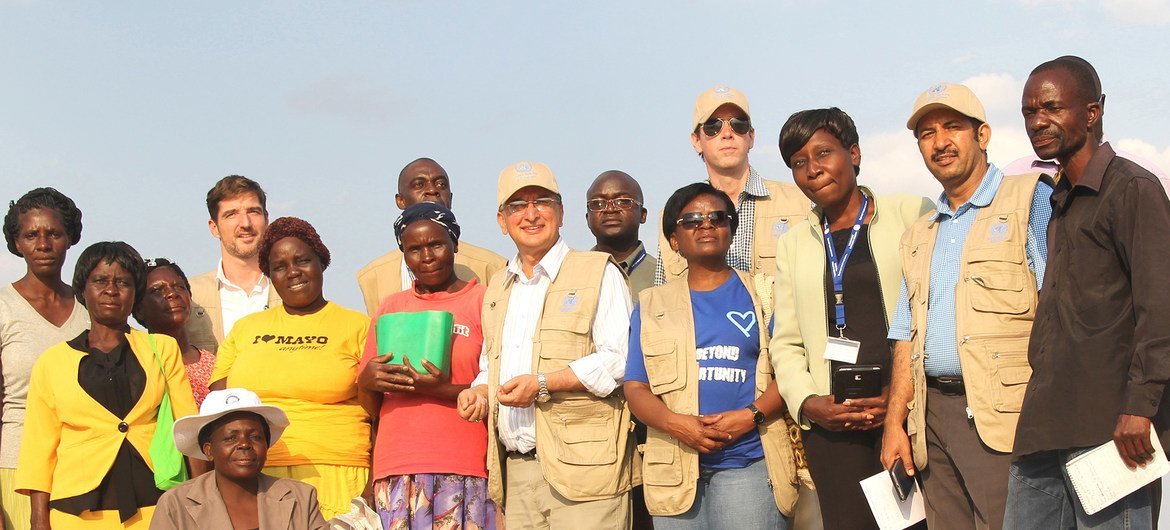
135, 109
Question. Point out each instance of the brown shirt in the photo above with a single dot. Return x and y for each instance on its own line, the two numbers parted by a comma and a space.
1100, 344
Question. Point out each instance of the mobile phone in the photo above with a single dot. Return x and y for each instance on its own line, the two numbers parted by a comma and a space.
853, 381
903, 483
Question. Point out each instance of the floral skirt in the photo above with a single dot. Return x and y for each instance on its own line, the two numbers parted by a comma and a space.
425, 501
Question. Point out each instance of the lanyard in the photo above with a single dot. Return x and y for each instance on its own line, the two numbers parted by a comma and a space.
838, 267
637, 261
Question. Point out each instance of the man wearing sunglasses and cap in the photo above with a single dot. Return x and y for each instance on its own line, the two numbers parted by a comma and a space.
971, 274
555, 332
722, 134
422, 180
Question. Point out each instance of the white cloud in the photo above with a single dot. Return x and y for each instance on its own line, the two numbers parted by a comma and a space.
1139, 12
999, 93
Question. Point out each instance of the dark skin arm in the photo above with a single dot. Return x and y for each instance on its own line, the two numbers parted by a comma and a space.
40, 510
850, 415
377, 376
690, 430
218, 385
739, 422
1132, 437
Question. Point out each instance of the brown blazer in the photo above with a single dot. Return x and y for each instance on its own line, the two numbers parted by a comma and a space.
197, 505
205, 323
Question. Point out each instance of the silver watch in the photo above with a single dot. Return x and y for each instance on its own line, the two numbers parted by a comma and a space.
542, 394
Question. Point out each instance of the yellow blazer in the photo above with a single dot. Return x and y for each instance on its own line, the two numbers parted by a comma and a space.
70, 441
205, 320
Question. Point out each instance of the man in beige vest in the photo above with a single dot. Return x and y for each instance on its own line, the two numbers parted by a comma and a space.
556, 331
422, 180
971, 271
239, 215
722, 134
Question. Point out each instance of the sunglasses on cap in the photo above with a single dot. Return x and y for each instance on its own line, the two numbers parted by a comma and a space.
157, 262
620, 203
713, 126
694, 220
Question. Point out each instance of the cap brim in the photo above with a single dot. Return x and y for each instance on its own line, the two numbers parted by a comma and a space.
186, 429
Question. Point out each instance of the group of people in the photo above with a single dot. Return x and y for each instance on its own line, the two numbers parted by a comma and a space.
1016, 321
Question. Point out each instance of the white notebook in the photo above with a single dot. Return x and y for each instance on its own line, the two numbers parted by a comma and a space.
889, 512
1100, 478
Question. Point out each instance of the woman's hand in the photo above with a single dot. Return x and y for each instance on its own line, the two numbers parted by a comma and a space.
378, 376
735, 423
837, 416
695, 432
432, 383
472, 403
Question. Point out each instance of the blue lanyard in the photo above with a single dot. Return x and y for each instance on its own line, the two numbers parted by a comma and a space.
637, 261
838, 267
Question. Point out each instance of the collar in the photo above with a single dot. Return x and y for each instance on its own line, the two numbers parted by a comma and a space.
206, 506
224, 281
755, 184
633, 260
81, 344
549, 265
1091, 179
980, 199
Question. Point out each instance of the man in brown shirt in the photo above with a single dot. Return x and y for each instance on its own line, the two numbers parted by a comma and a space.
1100, 345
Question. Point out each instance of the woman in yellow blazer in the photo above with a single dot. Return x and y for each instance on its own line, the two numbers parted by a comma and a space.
841, 440
93, 405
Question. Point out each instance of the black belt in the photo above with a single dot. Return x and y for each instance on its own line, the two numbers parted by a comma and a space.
951, 386
518, 454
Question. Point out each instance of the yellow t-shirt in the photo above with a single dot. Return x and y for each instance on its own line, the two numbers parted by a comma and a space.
307, 366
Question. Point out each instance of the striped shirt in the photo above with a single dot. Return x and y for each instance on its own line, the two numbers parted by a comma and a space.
941, 338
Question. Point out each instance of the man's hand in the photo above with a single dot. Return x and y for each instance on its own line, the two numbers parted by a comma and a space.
472, 403
896, 445
1132, 436
520, 391
735, 423
837, 417
874, 407
692, 430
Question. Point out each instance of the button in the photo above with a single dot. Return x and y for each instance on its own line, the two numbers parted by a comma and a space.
123, 427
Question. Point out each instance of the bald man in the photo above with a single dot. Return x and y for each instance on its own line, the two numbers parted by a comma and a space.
614, 211
422, 180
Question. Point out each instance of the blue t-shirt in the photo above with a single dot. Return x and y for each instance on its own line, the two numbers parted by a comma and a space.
727, 346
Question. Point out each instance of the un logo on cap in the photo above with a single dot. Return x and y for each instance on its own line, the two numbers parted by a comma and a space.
722, 89
524, 167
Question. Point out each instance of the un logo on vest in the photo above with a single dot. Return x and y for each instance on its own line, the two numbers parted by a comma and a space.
997, 233
570, 302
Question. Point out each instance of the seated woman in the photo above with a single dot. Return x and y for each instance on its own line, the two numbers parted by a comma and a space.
165, 309
429, 465
36, 311
699, 376
234, 431
93, 404
856, 233
303, 356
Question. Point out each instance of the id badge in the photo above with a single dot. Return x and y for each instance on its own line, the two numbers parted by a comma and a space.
842, 350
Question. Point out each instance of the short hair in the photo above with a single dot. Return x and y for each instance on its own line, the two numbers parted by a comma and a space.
46, 199
1087, 83
159, 263
230, 187
683, 196
292, 227
802, 125
117, 252
205, 433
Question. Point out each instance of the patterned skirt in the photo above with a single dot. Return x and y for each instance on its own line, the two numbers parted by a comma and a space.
425, 501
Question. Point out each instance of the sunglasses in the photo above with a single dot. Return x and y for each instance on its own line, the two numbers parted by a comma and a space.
157, 262
694, 220
620, 203
713, 126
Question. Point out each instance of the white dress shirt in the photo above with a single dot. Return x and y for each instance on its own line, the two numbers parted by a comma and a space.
407, 275
600, 372
235, 303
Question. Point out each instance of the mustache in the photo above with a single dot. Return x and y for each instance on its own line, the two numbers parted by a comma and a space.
950, 151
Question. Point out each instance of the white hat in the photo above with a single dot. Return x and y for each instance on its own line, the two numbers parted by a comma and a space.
218, 404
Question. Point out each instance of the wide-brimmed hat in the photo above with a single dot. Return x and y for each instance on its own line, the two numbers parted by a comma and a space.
220, 403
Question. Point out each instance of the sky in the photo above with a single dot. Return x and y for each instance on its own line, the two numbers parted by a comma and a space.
135, 109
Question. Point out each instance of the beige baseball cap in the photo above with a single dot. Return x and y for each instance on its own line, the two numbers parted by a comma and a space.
521, 175
716, 97
949, 95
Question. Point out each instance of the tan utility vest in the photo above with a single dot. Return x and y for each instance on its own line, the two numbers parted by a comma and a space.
583, 442
670, 468
995, 303
785, 206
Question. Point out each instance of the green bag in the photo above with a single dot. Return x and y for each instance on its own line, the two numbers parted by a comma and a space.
418, 335
170, 466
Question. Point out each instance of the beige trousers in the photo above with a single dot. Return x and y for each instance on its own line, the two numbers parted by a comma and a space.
531, 503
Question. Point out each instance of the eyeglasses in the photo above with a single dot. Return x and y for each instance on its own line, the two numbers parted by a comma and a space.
713, 126
694, 220
620, 203
543, 205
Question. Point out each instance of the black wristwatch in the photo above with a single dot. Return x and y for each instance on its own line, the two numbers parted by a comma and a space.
757, 416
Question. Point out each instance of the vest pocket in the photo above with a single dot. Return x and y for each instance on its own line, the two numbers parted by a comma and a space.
662, 367
586, 434
1010, 381
998, 291
661, 466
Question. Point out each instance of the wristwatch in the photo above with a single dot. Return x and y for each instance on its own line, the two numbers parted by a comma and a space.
757, 416
542, 394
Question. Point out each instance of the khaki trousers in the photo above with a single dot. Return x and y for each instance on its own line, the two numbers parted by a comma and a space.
531, 503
